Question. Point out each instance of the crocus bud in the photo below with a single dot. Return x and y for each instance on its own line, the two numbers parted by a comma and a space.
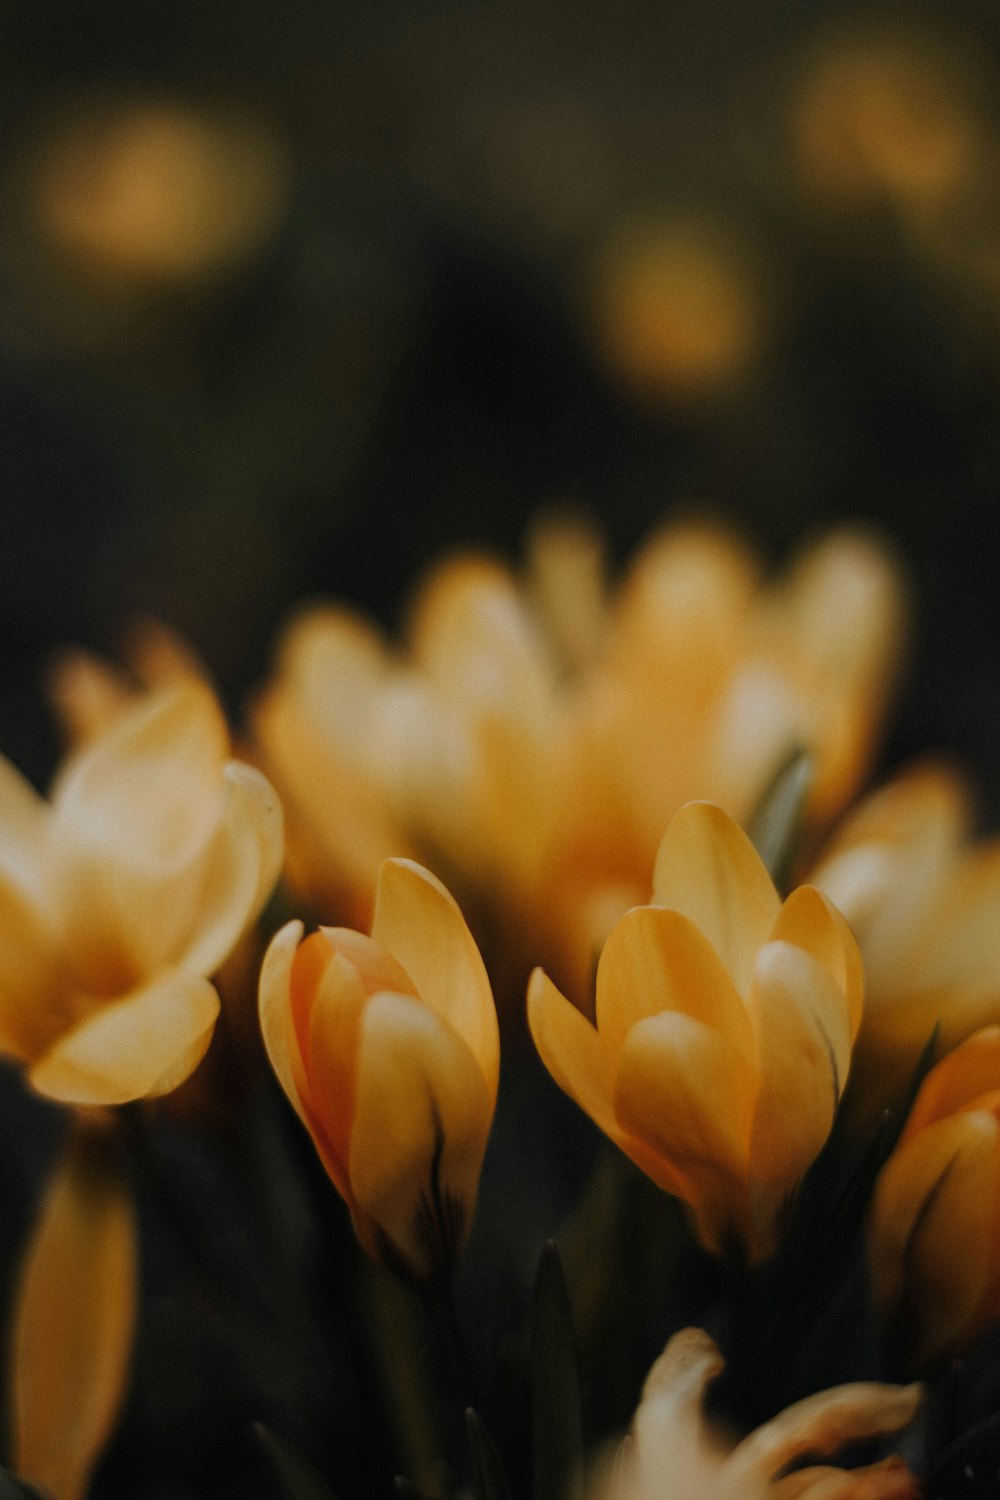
935, 1229
388, 1048
724, 1026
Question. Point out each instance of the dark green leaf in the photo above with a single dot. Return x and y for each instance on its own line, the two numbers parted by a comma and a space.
491, 1476
557, 1425
12, 1488
299, 1480
775, 826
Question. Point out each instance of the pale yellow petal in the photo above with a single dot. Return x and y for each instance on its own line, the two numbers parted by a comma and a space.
802, 1024
708, 869
688, 1094
932, 1229
420, 924
237, 872
25, 819
656, 960
87, 694
571, 1050
73, 1324
144, 1044
421, 1124
670, 1434
276, 1023
811, 922
134, 816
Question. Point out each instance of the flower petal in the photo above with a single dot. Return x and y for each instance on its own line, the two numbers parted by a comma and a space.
819, 1424
688, 1094
134, 816
73, 1323
708, 869
276, 1023
572, 1051
238, 872
804, 1049
420, 924
24, 824
420, 1129
931, 1244
144, 1044
37, 1002
968, 1073
656, 960
811, 922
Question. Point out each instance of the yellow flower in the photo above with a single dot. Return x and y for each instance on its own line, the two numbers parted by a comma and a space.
88, 693
388, 1048
124, 895
922, 905
673, 1439
532, 740
935, 1226
724, 1025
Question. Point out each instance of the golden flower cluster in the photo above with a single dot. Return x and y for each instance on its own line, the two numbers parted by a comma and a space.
581, 763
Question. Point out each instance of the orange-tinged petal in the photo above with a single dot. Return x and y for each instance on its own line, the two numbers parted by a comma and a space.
688, 1094
572, 1051
811, 922
36, 1000
963, 1076
73, 1323
143, 1044
707, 868
656, 960
932, 1228
804, 1050
890, 1479
276, 1023
419, 922
421, 1124
238, 872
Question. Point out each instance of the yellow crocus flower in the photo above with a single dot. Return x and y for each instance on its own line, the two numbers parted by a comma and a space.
724, 1026
935, 1226
922, 902
121, 897
388, 1048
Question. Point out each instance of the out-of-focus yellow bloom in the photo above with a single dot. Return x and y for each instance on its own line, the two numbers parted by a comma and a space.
120, 898
88, 693
724, 1026
672, 1438
923, 905
677, 310
147, 192
888, 118
533, 741
73, 1320
388, 1048
935, 1223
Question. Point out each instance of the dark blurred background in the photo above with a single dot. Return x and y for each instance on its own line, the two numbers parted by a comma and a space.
296, 295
